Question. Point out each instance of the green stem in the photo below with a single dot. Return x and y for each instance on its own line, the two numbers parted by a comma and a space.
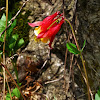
83, 63
73, 33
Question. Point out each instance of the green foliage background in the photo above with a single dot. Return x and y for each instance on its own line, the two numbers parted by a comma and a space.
22, 28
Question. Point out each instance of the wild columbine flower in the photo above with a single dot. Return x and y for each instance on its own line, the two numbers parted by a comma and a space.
48, 28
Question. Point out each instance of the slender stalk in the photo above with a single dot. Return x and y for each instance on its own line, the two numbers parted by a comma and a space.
66, 50
83, 63
73, 33
4, 61
65, 68
2, 8
9, 88
85, 81
85, 74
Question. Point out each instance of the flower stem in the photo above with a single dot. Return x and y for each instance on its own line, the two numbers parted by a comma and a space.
83, 63
73, 33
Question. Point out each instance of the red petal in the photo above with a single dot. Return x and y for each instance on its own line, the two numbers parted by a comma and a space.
40, 35
38, 23
46, 25
53, 30
51, 40
51, 17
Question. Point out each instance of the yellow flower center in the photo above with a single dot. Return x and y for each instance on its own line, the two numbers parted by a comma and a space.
36, 32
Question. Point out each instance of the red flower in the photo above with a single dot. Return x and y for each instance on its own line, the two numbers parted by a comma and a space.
45, 23
48, 28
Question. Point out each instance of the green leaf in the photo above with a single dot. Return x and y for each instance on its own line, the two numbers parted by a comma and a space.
3, 18
8, 96
10, 29
14, 23
20, 43
97, 97
83, 45
2, 38
16, 92
98, 92
1, 52
13, 41
72, 48
20, 84
2, 26
10, 39
2, 23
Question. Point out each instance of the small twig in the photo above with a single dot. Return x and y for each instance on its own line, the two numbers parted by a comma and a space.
43, 66
66, 50
84, 95
24, 85
39, 72
5, 29
12, 57
11, 21
2, 8
66, 53
73, 86
54, 80
18, 11
85, 81
63, 7
88, 87
9, 89
71, 60
81, 95
13, 80
65, 68
47, 98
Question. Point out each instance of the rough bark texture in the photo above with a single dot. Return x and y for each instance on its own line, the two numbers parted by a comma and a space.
88, 12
